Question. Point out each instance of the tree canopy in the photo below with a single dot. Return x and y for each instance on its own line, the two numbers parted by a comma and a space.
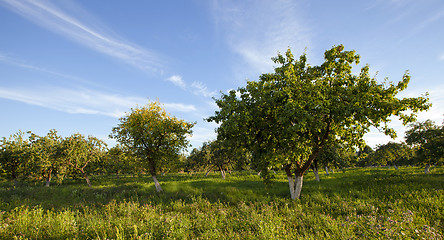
154, 136
286, 117
428, 139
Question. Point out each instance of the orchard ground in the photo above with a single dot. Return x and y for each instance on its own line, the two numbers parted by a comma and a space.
361, 203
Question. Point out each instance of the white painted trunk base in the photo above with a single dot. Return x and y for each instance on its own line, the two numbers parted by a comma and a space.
427, 169
48, 181
291, 185
295, 186
298, 186
157, 184
316, 173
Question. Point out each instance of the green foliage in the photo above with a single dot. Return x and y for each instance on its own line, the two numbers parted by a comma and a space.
395, 154
217, 155
337, 156
14, 155
428, 140
154, 136
78, 152
46, 154
286, 117
366, 203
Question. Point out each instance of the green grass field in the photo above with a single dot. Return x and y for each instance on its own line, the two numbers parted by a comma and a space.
362, 203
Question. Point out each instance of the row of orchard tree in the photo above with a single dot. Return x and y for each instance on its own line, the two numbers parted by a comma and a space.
150, 141
423, 146
298, 117
42, 157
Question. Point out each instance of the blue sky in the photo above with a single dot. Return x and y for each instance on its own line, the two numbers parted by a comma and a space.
77, 66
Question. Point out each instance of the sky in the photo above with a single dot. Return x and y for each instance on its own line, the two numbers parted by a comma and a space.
78, 66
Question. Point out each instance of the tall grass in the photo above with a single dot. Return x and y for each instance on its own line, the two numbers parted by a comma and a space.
369, 203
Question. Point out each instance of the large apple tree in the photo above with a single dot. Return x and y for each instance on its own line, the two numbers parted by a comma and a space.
287, 117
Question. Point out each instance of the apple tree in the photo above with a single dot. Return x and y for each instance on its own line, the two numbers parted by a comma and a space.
287, 117
154, 136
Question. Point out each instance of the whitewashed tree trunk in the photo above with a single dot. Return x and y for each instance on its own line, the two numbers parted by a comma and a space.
427, 169
291, 185
87, 179
326, 170
222, 172
157, 184
48, 179
298, 186
316, 173
331, 170
396, 167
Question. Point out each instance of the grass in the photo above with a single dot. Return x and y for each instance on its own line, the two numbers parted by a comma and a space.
363, 203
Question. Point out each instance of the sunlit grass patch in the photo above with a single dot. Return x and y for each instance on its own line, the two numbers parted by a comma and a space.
367, 203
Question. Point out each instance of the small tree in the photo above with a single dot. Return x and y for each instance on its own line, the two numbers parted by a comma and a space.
79, 151
46, 155
14, 156
428, 140
287, 117
154, 136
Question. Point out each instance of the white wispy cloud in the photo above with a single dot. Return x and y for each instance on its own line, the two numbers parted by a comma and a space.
177, 80
83, 101
55, 19
23, 64
198, 88
257, 30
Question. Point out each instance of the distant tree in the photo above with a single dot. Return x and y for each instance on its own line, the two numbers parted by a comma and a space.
394, 154
78, 152
46, 155
363, 155
195, 161
154, 136
119, 160
287, 117
428, 140
334, 156
14, 155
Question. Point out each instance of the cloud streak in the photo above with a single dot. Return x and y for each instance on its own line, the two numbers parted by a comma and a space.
257, 30
83, 101
53, 18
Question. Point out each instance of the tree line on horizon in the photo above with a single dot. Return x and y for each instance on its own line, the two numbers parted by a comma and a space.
294, 119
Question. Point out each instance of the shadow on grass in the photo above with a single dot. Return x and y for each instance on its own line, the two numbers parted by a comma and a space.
381, 184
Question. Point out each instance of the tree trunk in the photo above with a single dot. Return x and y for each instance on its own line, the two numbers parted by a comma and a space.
298, 186
157, 184
316, 173
222, 172
396, 167
206, 174
427, 168
314, 167
290, 181
331, 170
48, 179
291, 185
326, 170
87, 179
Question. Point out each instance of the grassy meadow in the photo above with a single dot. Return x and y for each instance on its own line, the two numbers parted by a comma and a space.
362, 203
